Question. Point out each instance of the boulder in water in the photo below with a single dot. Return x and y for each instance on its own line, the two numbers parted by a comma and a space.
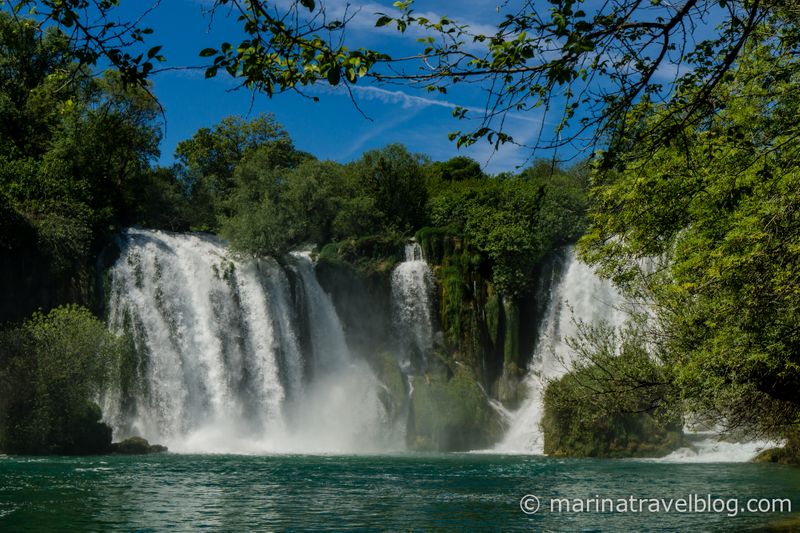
789, 454
136, 446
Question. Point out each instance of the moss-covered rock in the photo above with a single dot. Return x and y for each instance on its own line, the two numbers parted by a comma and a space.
136, 446
611, 435
438, 243
511, 352
509, 389
451, 414
788, 454
775, 455
376, 254
357, 295
789, 524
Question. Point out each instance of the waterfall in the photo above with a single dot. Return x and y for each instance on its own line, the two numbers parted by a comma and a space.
220, 365
412, 286
250, 356
576, 294
341, 409
706, 447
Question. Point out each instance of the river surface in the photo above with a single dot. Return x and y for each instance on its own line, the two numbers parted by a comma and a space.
173, 492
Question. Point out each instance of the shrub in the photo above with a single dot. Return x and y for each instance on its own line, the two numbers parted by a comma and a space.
52, 368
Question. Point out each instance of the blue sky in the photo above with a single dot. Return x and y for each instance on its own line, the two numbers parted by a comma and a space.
332, 128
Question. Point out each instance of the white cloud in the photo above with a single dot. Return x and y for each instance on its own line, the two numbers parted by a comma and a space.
376, 130
364, 15
408, 101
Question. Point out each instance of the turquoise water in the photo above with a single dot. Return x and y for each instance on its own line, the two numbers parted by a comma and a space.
405, 492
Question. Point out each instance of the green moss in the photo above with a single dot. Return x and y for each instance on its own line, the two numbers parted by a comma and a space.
508, 385
452, 300
107, 280
438, 243
781, 525
493, 306
775, 455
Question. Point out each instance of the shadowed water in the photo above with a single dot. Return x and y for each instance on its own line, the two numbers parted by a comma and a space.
435, 492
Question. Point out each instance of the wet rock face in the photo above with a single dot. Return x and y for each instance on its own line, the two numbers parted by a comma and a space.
451, 414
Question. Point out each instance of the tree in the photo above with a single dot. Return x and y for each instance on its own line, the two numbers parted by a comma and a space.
455, 169
207, 161
282, 198
94, 34
37, 76
393, 178
617, 400
253, 213
513, 221
161, 201
706, 230
313, 195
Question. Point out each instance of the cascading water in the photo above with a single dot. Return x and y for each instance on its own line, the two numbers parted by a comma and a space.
412, 286
576, 294
249, 356
220, 366
340, 410
202, 327
706, 447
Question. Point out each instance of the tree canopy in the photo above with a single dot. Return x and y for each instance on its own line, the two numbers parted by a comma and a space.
585, 64
73, 147
706, 231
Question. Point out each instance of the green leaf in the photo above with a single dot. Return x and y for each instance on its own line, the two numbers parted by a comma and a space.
334, 75
383, 21
207, 52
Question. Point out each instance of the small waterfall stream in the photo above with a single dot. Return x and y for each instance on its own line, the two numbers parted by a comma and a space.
340, 409
576, 294
412, 287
